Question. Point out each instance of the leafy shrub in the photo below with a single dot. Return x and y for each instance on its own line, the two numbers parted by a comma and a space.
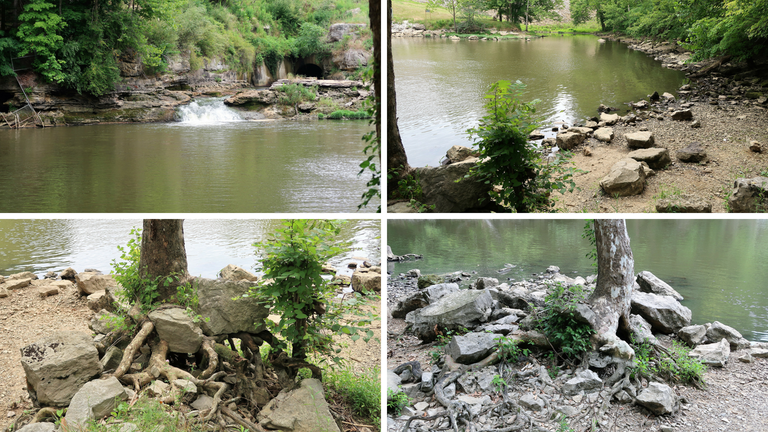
346, 115
557, 322
672, 364
397, 401
509, 350
360, 390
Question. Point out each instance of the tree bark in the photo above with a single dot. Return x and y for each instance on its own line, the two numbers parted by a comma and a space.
611, 299
374, 15
163, 253
396, 158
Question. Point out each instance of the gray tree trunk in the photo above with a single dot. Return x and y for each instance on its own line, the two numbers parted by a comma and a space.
611, 299
163, 253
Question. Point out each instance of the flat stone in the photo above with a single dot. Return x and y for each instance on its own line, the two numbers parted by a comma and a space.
604, 134
664, 313
472, 347
656, 158
693, 153
626, 178
642, 139
658, 398
683, 204
684, 114
177, 328
649, 283
569, 140
93, 401
714, 354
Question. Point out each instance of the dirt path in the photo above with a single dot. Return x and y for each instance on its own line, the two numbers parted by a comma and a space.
725, 135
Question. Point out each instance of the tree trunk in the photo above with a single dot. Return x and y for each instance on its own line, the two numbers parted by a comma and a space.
611, 299
163, 253
374, 15
396, 158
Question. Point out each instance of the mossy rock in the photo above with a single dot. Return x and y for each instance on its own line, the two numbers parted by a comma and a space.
429, 280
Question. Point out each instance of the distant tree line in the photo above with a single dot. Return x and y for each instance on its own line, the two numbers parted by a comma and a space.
77, 43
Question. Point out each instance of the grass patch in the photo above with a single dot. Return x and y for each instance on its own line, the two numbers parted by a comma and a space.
149, 415
362, 392
566, 27
344, 115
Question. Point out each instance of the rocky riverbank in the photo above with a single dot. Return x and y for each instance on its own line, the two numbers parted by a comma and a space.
543, 395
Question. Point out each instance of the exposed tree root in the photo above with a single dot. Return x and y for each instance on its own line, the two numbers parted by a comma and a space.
133, 347
241, 421
213, 358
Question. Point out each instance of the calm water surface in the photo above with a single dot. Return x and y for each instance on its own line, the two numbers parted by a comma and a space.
55, 244
206, 163
440, 84
719, 266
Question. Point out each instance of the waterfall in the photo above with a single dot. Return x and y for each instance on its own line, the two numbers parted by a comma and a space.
209, 111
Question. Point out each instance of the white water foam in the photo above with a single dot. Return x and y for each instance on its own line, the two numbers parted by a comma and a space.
206, 112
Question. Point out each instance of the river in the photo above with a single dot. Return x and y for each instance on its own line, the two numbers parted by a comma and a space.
209, 161
440, 83
55, 244
719, 266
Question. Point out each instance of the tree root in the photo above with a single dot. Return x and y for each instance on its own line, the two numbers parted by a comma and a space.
133, 347
213, 358
241, 421
43, 414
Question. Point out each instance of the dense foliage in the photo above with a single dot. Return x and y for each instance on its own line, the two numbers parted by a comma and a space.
559, 323
77, 43
509, 160
514, 11
709, 27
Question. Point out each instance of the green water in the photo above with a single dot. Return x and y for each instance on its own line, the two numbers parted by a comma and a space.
440, 83
243, 167
719, 266
55, 244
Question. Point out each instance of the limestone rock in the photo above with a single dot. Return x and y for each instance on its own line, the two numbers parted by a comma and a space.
98, 301
68, 273
569, 140
649, 283
428, 280
714, 354
464, 308
252, 97
235, 273
626, 178
664, 313
228, 308
58, 365
641, 329
337, 31
718, 331
459, 153
103, 322
393, 384
658, 398
692, 335
692, 153
642, 139
604, 134
754, 146
609, 119
439, 186
176, 327
203, 402
367, 279
91, 282
531, 402
93, 401
14, 284
683, 204
684, 114
749, 195
38, 427
422, 298
112, 358
300, 410
656, 157
585, 380
352, 58
472, 347
485, 282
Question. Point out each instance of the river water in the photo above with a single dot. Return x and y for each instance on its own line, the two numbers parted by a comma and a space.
440, 83
209, 161
55, 244
719, 266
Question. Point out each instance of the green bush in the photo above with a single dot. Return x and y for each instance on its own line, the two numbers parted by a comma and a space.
557, 321
362, 391
346, 115
673, 364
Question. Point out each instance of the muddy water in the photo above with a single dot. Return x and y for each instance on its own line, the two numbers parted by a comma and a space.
440, 84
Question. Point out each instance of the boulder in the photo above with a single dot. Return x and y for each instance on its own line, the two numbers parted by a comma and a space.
252, 97
649, 283
58, 365
459, 153
668, 97
659, 398
93, 401
485, 282
367, 279
23, 275
393, 384
228, 307
692, 335
535, 135
472, 347
569, 140
642, 139
301, 410
235, 273
718, 331
464, 308
337, 31
609, 119
684, 114
98, 301
641, 329
683, 204
176, 327
626, 178
693, 153
351, 59
440, 187
584, 381
714, 354
580, 130
664, 313
428, 280
655, 157
604, 134
643, 104
532, 403
91, 282
422, 298
749, 195
68, 273
103, 322
112, 358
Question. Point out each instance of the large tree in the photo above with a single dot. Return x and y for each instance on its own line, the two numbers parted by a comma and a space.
610, 302
163, 255
396, 158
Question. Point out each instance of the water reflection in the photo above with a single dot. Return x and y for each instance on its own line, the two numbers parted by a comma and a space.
719, 266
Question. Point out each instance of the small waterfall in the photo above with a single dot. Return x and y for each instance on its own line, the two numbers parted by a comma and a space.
207, 111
